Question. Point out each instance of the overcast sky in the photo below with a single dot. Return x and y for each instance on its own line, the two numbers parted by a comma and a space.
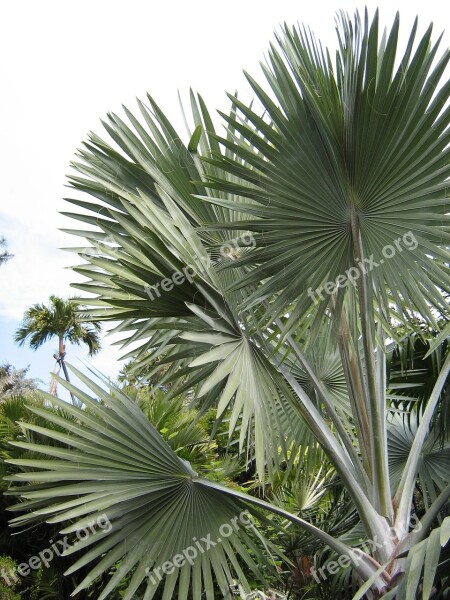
64, 64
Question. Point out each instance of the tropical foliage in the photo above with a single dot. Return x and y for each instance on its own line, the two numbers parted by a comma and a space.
43, 582
14, 382
338, 174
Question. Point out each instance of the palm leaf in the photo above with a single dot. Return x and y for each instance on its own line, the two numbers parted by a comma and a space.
433, 469
425, 557
349, 159
119, 467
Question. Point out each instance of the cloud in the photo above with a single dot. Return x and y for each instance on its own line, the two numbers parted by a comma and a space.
37, 270
108, 360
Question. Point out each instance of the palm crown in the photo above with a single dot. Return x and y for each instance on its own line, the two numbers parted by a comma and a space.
4, 254
61, 319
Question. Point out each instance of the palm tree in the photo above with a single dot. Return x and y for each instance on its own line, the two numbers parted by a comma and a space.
4, 254
340, 179
13, 382
62, 319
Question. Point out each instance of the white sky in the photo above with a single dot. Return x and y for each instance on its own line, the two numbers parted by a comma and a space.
65, 64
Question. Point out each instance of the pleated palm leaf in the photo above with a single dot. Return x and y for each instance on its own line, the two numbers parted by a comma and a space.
163, 518
267, 268
184, 432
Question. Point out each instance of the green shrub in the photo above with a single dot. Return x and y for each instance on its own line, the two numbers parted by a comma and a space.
8, 584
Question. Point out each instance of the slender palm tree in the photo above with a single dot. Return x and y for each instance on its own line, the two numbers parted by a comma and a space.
4, 254
62, 319
338, 174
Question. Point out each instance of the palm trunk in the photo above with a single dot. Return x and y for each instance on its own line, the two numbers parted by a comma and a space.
66, 375
62, 354
54, 383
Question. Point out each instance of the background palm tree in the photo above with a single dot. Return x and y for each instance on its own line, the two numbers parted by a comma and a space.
62, 319
4, 254
14, 382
